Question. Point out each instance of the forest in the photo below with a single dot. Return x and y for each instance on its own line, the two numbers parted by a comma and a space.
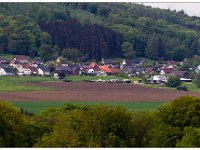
97, 30
174, 124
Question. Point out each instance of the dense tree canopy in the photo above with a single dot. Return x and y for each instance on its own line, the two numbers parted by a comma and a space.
174, 124
98, 29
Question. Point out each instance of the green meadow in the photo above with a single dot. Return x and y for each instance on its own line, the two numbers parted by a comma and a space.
36, 107
15, 84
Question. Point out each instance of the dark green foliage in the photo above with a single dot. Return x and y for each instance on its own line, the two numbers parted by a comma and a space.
175, 124
152, 32
184, 88
96, 126
173, 82
181, 112
16, 129
128, 50
191, 138
72, 54
197, 80
171, 120
164, 136
96, 41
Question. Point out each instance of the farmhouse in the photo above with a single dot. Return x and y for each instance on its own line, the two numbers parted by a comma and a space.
166, 71
172, 63
158, 79
180, 74
5, 71
3, 60
43, 70
21, 59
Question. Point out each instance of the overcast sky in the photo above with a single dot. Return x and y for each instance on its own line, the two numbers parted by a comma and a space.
192, 9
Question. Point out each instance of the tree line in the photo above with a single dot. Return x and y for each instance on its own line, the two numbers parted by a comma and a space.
99, 30
174, 124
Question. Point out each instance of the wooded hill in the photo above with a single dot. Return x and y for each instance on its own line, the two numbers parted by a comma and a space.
97, 30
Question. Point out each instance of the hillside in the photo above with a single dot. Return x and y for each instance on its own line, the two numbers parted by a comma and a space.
97, 30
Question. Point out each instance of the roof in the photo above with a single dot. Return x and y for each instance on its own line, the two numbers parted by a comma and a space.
178, 73
33, 69
106, 68
20, 57
68, 68
172, 62
93, 64
149, 69
107, 61
3, 59
27, 66
8, 70
167, 70
130, 62
44, 69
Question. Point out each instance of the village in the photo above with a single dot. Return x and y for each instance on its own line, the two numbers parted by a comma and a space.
21, 65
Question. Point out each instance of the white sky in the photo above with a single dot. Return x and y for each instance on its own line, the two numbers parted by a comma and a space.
192, 9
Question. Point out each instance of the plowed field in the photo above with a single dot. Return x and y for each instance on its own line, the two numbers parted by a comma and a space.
90, 91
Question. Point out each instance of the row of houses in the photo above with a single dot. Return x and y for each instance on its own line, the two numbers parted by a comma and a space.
132, 68
20, 65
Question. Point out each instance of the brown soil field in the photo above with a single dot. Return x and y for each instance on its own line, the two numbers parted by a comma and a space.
90, 91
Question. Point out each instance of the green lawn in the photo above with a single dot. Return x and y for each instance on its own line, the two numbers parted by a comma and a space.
158, 86
14, 84
191, 87
81, 78
7, 56
36, 107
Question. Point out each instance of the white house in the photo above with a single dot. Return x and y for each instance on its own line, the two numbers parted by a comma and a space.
158, 79
90, 71
5, 71
24, 70
197, 70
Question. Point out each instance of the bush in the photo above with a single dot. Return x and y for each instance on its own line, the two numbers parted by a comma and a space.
184, 88
197, 80
173, 82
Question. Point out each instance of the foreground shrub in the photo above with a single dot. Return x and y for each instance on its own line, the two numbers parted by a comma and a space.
173, 82
183, 88
191, 138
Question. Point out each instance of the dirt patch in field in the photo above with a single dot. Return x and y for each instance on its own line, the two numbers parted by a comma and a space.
90, 91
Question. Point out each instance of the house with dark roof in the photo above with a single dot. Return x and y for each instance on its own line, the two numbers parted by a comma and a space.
166, 71
68, 69
21, 59
107, 61
6, 71
180, 74
3, 60
172, 63
130, 62
43, 70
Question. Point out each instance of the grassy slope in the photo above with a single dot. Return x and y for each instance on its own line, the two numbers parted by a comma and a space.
81, 78
191, 87
7, 56
36, 107
14, 84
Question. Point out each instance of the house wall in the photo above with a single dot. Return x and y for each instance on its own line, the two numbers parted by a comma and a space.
2, 72
40, 72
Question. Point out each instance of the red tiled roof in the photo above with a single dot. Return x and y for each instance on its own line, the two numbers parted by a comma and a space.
110, 70
20, 57
93, 64
172, 62
27, 66
167, 70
